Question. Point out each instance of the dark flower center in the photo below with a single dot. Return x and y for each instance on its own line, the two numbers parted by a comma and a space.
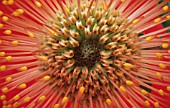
88, 53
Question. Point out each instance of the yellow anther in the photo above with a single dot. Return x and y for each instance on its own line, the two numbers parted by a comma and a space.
8, 79
156, 104
5, 2
147, 103
5, 18
3, 97
144, 92
2, 68
8, 58
105, 6
10, 2
4, 102
168, 17
16, 13
1, 25
30, 34
168, 88
1, 13
7, 32
14, 42
1, 41
81, 90
42, 98
52, 32
5, 89
16, 104
165, 8
43, 58
136, 21
161, 65
57, 106
165, 45
24, 68
159, 55
168, 51
27, 99
9, 106
38, 4
16, 97
161, 92
67, 10
128, 65
108, 101
123, 0
22, 86
149, 38
46, 78
157, 20
128, 82
2, 54
122, 89
159, 75
64, 100
20, 11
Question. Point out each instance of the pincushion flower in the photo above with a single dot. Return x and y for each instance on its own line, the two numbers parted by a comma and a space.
84, 53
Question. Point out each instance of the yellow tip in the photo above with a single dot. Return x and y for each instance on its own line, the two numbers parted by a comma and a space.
1, 41
5, 89
149, 38
64, 100
136, 21
123, 0
20, 11
57, 106
30, 34
161, 92
3, 97
144, 92
122, 89
8, 79
16, 97
46, 78
1, 13
16, 104
108, 101
27, 99
165, 8
38, 4
2, 68
8, 58
165, 45
2, 54
128, 65
24, 68
168, 17
14, 42
157, 20
168, 88
81, 90
1, 25
16, 13
159, 75
168, 51
8, 32
5, 18
156, 104
11, 2
42, 98
162, 66
43, 58
4, 102
159, 55
147, 103
22, 86
128, 82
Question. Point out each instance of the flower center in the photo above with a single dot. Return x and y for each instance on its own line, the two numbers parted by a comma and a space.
88, 53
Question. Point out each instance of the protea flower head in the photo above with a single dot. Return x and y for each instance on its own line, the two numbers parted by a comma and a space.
84, 53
